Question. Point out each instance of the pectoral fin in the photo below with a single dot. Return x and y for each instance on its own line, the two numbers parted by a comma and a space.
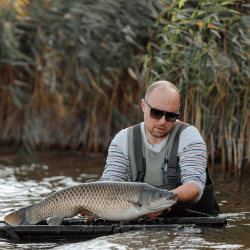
89, 216
135, 204
55, 221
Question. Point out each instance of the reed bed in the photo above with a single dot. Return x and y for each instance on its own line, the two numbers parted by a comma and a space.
204, 48
73, 73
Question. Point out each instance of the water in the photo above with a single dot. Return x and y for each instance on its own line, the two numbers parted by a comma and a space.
22, 184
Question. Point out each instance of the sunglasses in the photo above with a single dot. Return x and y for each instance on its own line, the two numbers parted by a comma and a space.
158, 114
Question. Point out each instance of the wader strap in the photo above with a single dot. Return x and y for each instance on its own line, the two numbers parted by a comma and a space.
141, 168
173, 170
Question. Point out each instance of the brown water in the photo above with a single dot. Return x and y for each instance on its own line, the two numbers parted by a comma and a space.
22, 184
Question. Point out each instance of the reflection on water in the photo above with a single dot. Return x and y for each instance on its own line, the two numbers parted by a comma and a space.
23, 184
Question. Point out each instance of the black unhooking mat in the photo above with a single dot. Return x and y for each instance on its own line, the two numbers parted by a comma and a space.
78, 227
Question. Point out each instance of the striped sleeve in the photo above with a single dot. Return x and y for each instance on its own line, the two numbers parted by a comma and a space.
193, 159
117, 165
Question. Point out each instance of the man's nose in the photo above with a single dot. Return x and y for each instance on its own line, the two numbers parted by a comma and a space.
163, 119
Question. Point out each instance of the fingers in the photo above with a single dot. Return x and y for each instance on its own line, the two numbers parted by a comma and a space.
153, 215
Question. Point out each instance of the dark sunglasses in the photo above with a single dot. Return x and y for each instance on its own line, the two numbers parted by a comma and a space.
158, 114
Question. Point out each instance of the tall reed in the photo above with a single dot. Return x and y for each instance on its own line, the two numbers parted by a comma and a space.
203, 48
73, 72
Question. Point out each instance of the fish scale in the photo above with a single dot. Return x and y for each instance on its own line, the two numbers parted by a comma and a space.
117, 201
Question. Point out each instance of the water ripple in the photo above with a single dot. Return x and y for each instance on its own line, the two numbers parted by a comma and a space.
27, 184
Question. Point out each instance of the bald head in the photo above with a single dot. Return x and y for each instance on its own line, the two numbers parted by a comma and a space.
167, 89
164, 96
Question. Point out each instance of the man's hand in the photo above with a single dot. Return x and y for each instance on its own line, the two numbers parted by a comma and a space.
155, 215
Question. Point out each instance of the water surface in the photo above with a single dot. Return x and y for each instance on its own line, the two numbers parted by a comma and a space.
23, 183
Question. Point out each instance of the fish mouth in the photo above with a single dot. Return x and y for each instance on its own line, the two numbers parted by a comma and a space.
173, 197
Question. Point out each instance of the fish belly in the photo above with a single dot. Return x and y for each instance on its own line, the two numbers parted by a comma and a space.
130, 213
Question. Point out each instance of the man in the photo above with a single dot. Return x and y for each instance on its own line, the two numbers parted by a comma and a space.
158, 131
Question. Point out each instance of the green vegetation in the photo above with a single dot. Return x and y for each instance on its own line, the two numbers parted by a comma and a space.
204, 48
73, 72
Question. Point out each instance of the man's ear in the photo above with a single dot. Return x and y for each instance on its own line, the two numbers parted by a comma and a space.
143, 104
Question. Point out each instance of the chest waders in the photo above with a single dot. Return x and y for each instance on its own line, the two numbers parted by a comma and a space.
137, 154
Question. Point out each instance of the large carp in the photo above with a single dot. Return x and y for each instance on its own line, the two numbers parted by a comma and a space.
114, 201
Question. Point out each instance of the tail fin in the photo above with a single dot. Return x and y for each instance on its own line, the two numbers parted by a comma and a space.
16, 218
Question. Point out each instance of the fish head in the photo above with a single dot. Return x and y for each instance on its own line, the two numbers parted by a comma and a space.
157, 199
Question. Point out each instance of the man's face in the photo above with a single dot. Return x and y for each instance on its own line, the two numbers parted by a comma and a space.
166, 101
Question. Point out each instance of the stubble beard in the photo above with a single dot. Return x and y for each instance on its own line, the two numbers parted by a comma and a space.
151, 131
